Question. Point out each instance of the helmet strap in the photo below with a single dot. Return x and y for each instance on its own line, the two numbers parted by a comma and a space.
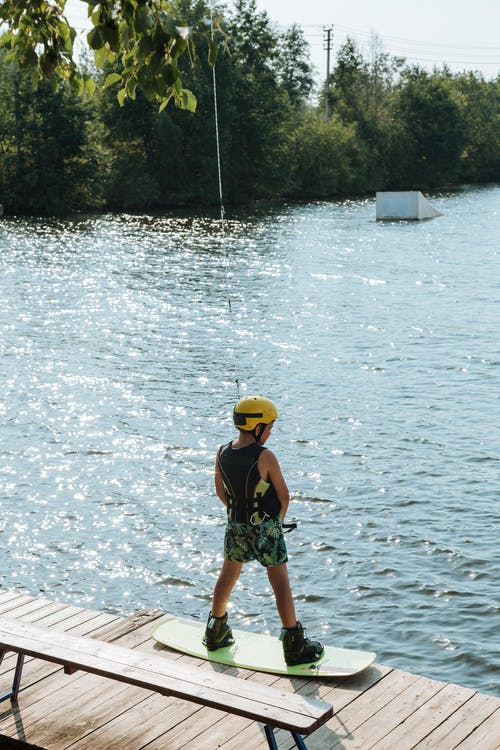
257, 433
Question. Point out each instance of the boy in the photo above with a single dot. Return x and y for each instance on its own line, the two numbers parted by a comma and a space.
248, 480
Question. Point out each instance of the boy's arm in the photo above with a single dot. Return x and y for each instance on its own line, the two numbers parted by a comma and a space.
219, 484
270, 470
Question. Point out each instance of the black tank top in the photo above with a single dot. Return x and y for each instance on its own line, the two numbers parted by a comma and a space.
250, 498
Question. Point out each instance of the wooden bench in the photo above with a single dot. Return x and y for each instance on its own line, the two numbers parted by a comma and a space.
272, 707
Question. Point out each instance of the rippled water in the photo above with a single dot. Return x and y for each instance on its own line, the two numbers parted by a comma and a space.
378, 341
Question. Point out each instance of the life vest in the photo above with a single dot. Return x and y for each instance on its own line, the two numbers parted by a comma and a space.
250, 498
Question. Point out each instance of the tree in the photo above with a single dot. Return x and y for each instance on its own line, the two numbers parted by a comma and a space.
294, 67
165, 158
143, 34
480, 104
329, 159
48, 163
256, 111
429, 132
349, 84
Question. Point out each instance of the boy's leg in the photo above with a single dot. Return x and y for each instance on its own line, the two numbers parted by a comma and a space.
297, 649
278, 578
218, 633
228, 576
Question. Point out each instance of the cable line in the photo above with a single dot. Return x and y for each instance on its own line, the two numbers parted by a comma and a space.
221, 198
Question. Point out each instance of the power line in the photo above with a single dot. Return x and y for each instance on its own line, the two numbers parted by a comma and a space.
388, 37
414, 50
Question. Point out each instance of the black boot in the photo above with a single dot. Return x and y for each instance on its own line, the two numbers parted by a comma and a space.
297, 649
217, 633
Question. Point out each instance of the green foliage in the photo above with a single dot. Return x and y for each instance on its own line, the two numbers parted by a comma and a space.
141, 34
390, 125
479, 101
48, 163
329, 159
293, 66
257, 114
430, 133
39, 38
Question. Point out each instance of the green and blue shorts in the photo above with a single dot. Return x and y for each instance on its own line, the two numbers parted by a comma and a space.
265, 543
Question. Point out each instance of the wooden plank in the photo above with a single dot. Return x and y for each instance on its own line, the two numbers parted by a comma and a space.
188, 709
233, 737
85, 713
37, 614
131, 725
82, 623
123, 626
8, 596
486, 736
375, 727
366, 720
87, 623
461, 724
20, 600
339, 692
35, 671
171, 722
205, 728
135, 729
426, 717
180, 711
342, 692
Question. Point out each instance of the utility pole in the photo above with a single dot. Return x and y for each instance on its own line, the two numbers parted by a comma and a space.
328, 46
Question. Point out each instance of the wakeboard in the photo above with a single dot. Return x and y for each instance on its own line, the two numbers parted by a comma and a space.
258, 651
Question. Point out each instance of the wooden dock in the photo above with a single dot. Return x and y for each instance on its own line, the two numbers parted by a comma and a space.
379, 709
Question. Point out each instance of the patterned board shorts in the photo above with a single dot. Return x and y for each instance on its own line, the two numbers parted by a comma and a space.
244, 542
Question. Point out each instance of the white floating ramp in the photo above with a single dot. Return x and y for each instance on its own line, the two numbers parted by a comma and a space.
404, 205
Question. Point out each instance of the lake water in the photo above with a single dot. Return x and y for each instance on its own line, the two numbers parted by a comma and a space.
379, 342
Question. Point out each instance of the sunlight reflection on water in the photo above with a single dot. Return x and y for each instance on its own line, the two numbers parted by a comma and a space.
378, 341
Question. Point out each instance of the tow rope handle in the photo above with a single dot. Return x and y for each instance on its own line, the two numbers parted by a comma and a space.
287, 527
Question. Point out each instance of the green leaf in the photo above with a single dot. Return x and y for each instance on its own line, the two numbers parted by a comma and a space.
146, 45
100, 57
131, 87
178, 47
143, 19
6, 39
124, 34
111, 36
128, 8
188, 100
89, 85
95, 16
121, 95
95, 39
169, 73
111, 79
29, 59
48, 62
164, 103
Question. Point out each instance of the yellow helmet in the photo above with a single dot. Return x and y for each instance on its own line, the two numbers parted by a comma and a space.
253, 410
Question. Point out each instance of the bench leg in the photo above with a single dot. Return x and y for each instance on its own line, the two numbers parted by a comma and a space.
299, 741
17, 679
271, 739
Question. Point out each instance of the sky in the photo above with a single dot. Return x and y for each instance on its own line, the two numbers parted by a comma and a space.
463, 34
